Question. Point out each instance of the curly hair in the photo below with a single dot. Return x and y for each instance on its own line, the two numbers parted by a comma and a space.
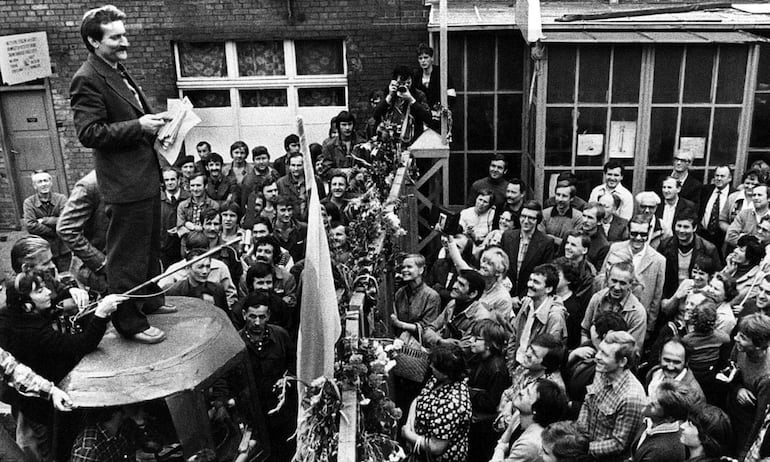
703, 317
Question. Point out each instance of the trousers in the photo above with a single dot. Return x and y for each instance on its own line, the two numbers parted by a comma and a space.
133, 256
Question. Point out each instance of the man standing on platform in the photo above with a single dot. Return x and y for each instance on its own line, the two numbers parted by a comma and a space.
113, 117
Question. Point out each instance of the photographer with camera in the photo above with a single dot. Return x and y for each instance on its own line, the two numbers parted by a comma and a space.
404, 111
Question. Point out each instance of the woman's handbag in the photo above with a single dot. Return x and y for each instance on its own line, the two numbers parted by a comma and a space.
412, 359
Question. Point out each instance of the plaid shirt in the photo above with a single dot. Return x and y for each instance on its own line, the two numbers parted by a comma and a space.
22, 378
94, 444
611, 415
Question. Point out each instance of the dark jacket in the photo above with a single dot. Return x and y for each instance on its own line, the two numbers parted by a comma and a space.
541, 250
34, 209
669, 249
106, 116
659, 446
718, 237
618, 230
83, 223
51, 354
433, 90
681, 205
419, 110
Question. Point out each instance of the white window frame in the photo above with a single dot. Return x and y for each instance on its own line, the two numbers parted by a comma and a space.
314, 116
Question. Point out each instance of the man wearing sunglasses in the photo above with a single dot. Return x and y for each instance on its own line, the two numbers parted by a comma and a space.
649, 268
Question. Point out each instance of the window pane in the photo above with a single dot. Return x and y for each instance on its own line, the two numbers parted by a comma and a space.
654, 178
697, 75
587, 180
260, 58
480, 122
263, 98
202, 59
695, 123
591, 120
209, 98
510, 62
594, 74
732, 73
458, 125
763, 71
456, 53
558, 137
561, 74
665, 88
509, 122
321, 96
481, 74
319, 57
662, 135
457, 177
724, 143
626, 71
760, 135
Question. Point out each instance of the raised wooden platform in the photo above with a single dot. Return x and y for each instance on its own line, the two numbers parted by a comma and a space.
201, 343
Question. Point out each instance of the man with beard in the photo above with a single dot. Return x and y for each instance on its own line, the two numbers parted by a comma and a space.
649, 270
219, 187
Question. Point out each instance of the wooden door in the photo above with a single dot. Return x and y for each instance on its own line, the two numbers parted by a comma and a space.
31, 139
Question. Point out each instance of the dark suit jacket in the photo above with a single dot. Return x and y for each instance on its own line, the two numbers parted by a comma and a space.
106, 116
717, 238
618, 230
690, 191
668, 248
681, 206
541, 250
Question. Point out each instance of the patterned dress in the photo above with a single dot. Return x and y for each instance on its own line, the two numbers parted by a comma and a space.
444, 412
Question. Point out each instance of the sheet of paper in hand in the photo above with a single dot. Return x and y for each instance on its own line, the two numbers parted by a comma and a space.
170, 137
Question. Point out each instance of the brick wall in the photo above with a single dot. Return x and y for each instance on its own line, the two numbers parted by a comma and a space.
378, 35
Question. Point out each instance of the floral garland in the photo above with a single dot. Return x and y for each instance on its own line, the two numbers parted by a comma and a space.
364, 364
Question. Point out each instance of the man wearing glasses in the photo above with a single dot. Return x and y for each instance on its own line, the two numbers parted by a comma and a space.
648, 206
691, 186
649, 268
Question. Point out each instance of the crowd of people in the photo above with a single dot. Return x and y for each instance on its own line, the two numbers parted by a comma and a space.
608, 328
618, 328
